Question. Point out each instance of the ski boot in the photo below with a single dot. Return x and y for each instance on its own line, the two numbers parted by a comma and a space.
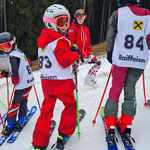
61, 141
9, 128
39, 148
35, 147
126, 138
20, 124
110, 138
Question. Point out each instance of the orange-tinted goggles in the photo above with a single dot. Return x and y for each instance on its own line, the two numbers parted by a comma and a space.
60, 21
4, 45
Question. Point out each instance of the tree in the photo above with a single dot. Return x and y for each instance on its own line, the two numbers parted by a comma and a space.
24, 19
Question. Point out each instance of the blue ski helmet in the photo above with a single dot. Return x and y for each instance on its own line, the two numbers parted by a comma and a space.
124, 2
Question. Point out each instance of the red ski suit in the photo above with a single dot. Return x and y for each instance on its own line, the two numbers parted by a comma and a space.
53, 89
79, 34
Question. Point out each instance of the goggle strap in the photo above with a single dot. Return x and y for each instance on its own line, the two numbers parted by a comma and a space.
48, 19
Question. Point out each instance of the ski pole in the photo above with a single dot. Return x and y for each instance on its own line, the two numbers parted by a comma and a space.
7, 90
5, 73
3, 104
37, 97
145, 103
94, 121
1, 119
76, 81
8, 108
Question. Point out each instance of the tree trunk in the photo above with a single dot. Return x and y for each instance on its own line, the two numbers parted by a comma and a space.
102, 22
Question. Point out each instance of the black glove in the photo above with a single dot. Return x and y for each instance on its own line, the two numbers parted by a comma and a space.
5, 73
75, 48
109, 57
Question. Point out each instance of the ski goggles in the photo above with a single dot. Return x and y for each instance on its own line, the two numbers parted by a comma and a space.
60, 21
80, 16
5, 45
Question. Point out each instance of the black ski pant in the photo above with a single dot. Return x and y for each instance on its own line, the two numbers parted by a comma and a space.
19, 103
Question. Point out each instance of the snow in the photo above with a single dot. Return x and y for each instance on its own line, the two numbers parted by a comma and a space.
93, 137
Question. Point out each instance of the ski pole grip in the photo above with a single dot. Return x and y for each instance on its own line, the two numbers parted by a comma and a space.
76, 49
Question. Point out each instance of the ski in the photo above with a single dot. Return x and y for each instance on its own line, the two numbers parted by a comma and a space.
81, 116
3, 138
125, 146
3, 118
102, 115
16, 133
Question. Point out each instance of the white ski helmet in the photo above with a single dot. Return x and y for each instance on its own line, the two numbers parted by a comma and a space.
52, 12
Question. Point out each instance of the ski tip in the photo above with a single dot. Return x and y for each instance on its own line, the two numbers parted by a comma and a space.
53, 122
81, 110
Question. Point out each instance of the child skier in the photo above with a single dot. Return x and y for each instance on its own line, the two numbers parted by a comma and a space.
21, 77
55, 59
79, 34
128, 52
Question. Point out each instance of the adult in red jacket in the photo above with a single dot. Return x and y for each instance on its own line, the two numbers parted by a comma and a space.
79, 34
55, 59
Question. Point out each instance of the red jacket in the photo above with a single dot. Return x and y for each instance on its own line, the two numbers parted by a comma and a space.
137, 10
64, 57
79, 34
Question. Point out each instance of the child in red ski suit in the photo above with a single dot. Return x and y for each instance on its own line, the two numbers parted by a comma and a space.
79, 34
55, 60
127, 50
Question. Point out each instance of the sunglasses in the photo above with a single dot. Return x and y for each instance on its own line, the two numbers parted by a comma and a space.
4, 45
60, 21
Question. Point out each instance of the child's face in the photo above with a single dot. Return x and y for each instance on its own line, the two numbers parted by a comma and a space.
64, 28
7, 50
80, 19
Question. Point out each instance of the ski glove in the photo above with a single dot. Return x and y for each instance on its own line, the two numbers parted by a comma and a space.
109, 57
14, 80
75, 48
5, 73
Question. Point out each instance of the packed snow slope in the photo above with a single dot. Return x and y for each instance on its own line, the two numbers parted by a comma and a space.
93, 137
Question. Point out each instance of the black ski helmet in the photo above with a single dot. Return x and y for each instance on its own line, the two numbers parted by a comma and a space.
124, 2
6, 37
